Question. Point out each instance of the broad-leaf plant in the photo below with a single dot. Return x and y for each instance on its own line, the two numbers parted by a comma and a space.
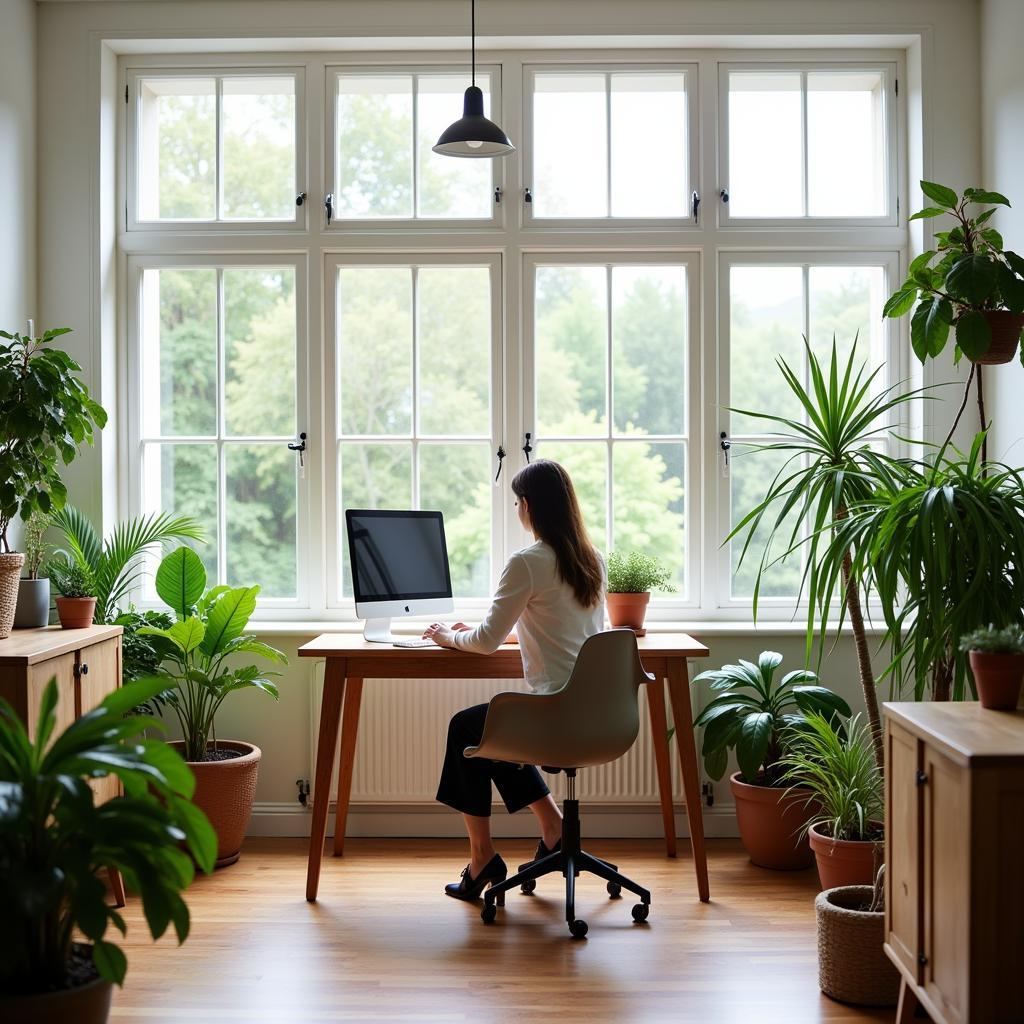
204, 645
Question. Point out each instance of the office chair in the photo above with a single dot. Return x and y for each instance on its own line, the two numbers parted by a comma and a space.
591, 720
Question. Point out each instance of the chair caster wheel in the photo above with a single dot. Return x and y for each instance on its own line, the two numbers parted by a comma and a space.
529, 886
614, 890
640, 912
578, 929
489, 913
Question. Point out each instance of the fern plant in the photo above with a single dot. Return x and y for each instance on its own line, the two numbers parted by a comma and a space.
637, 573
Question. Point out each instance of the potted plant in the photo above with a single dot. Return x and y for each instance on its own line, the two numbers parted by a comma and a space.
33, 610
967, 282
58, 962
756, 716
852, 963
208, 633
631, 578
836, 770
997, 664
76, 592
45, 414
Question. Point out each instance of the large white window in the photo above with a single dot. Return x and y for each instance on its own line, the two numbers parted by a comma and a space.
299, 262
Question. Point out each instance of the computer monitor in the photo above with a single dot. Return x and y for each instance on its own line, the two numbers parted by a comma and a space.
399, 567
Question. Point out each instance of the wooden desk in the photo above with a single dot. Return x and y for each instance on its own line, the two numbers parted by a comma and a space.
350, 660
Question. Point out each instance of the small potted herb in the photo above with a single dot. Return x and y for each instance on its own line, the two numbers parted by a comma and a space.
997, 664
756, 717
33, 610
631, 578
967, 282
836, 770
76, 592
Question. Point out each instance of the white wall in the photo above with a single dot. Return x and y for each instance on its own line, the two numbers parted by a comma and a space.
1002, 122
74, 227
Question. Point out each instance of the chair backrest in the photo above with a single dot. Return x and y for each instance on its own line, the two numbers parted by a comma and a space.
591, 720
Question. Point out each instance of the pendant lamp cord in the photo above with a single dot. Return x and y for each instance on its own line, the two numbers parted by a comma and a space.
472, 30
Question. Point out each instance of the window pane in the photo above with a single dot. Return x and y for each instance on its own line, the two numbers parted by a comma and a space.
587, 463
648, 502
259, 351
260, 518
648, 147
845, 144
454, 318
374, 146
177, 149
765, 144
570, 146
372, 476
456, 478
182, 479
846, 303
649, 349
449, 187
258, 141
374, 347
179, 352
766, 322
571, 350
750, 475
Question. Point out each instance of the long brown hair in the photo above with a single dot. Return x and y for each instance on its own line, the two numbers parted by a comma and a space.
556, 519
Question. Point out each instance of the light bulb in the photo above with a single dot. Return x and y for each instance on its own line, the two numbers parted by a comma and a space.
474, 145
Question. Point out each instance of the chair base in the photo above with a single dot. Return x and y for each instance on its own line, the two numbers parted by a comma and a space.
570, 861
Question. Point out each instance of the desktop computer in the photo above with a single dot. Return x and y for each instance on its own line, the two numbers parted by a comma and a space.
399, 565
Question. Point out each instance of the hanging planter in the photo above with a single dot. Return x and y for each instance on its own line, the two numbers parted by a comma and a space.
1005, 328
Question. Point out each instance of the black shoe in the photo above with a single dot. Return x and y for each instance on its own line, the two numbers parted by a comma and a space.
542, 851
470, 888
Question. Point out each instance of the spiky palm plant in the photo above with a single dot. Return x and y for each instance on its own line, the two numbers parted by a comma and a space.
832, 462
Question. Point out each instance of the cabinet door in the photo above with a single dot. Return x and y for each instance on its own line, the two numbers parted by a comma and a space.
62, 668
99, 673
947, 917
903, 835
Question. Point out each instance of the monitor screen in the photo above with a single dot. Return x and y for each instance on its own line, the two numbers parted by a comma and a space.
397, 556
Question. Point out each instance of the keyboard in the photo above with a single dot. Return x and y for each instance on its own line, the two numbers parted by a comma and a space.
416, 641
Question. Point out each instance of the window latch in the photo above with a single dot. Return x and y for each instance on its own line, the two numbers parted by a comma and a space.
527, 448
329, 207
724, 193
300, 198
300, 450
527, 195
501, 460
695, 203
497, 194
725, 444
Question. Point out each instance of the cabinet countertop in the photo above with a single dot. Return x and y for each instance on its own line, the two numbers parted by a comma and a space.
964, 729
28, 646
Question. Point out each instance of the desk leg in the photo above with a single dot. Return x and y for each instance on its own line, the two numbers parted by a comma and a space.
682, 716
330, 712
659, 737
346, 759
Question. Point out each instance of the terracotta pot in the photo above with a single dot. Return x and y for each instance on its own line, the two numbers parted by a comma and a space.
997, 678
33, 611
1005, 327
84, 1004
76, 612
10, 575
770, 821
844, 861
225, 791
628, 610
852, 965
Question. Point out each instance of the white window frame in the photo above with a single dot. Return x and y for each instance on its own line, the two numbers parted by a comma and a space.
137, 441
895, 360
689, 261
415, 71
894, 169
332, 448
607, 68
133, 141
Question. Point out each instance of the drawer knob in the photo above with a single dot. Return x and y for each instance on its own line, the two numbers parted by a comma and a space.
85, 668
922, 778
922, 959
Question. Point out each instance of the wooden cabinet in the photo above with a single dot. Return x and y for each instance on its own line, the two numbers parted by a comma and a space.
86, 664
954, 836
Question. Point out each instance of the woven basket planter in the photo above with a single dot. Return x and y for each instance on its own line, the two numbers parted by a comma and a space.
10, 575
852, 965
225, 791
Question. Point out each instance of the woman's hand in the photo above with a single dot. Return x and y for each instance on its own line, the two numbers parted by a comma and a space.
441, 634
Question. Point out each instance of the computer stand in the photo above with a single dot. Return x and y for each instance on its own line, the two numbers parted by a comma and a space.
378, 631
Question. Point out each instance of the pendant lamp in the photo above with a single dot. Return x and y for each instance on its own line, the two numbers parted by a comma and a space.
473, 135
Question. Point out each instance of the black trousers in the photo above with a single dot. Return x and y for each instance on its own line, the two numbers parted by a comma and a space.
466, 781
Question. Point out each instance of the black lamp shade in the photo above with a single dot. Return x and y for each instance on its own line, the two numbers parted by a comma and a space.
473, 135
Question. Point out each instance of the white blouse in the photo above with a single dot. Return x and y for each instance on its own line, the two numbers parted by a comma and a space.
551, 624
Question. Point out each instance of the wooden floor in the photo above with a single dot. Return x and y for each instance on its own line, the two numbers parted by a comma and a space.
384, 944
